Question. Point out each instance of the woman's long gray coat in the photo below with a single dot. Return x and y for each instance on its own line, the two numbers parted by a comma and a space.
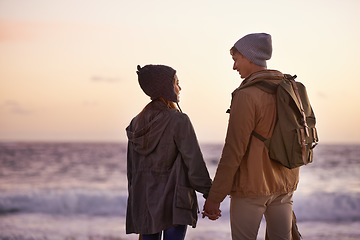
164, 168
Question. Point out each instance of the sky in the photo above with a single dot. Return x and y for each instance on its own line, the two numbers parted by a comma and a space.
68, 68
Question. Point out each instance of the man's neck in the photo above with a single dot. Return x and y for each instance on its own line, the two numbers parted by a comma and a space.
256, 68
252, 69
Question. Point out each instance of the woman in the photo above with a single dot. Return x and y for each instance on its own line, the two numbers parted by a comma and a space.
164, 162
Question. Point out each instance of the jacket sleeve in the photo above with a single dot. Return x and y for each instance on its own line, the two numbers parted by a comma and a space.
188, 146
240, 126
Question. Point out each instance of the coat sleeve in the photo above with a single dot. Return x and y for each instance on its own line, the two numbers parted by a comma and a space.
188, 146
240, 126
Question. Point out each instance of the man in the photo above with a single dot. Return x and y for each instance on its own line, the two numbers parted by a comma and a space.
257, 185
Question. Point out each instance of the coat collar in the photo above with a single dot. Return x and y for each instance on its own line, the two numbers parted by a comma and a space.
263, 74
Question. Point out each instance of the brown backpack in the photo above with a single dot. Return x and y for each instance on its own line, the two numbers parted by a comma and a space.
295, 135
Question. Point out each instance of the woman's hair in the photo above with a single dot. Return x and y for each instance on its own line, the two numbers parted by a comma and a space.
141, 121
169, 104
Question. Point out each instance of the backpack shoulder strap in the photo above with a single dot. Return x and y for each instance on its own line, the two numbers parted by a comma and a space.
265, 85
271, 87
258, 136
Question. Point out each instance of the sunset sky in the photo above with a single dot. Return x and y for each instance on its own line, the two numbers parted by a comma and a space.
68, 68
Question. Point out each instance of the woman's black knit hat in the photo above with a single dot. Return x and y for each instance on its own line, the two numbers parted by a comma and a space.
157, 81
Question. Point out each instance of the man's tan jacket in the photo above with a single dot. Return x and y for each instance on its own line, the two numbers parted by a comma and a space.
245, 168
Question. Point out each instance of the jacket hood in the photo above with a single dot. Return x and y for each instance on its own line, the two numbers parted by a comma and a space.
146, 133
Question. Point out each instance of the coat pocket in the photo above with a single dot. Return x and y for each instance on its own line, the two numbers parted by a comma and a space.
184, 197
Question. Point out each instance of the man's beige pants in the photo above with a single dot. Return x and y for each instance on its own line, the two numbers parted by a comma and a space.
246, 215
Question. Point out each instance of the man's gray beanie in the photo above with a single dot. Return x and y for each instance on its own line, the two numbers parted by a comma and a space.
256, 47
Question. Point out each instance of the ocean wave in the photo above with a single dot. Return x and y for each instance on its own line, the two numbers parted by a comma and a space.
327, 206
64, 202
320, 206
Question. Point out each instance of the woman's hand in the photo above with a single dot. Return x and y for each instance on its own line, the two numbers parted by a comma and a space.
211, 210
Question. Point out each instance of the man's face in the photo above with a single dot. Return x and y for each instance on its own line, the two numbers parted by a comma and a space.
241, 64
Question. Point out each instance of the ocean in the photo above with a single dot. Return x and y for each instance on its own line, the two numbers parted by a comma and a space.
76, 191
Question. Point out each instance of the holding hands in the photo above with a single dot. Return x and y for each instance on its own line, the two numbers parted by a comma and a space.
211, 210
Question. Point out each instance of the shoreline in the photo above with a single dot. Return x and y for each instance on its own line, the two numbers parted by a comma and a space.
81, 227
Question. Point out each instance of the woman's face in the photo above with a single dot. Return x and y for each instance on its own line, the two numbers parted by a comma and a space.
177, 87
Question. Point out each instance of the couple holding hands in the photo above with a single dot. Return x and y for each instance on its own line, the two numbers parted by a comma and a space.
165, 165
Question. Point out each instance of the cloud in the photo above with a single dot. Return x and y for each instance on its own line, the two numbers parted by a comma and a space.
105, 79
15, 108
322, 94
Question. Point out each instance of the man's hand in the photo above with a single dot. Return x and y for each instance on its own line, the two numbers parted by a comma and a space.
211, 209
